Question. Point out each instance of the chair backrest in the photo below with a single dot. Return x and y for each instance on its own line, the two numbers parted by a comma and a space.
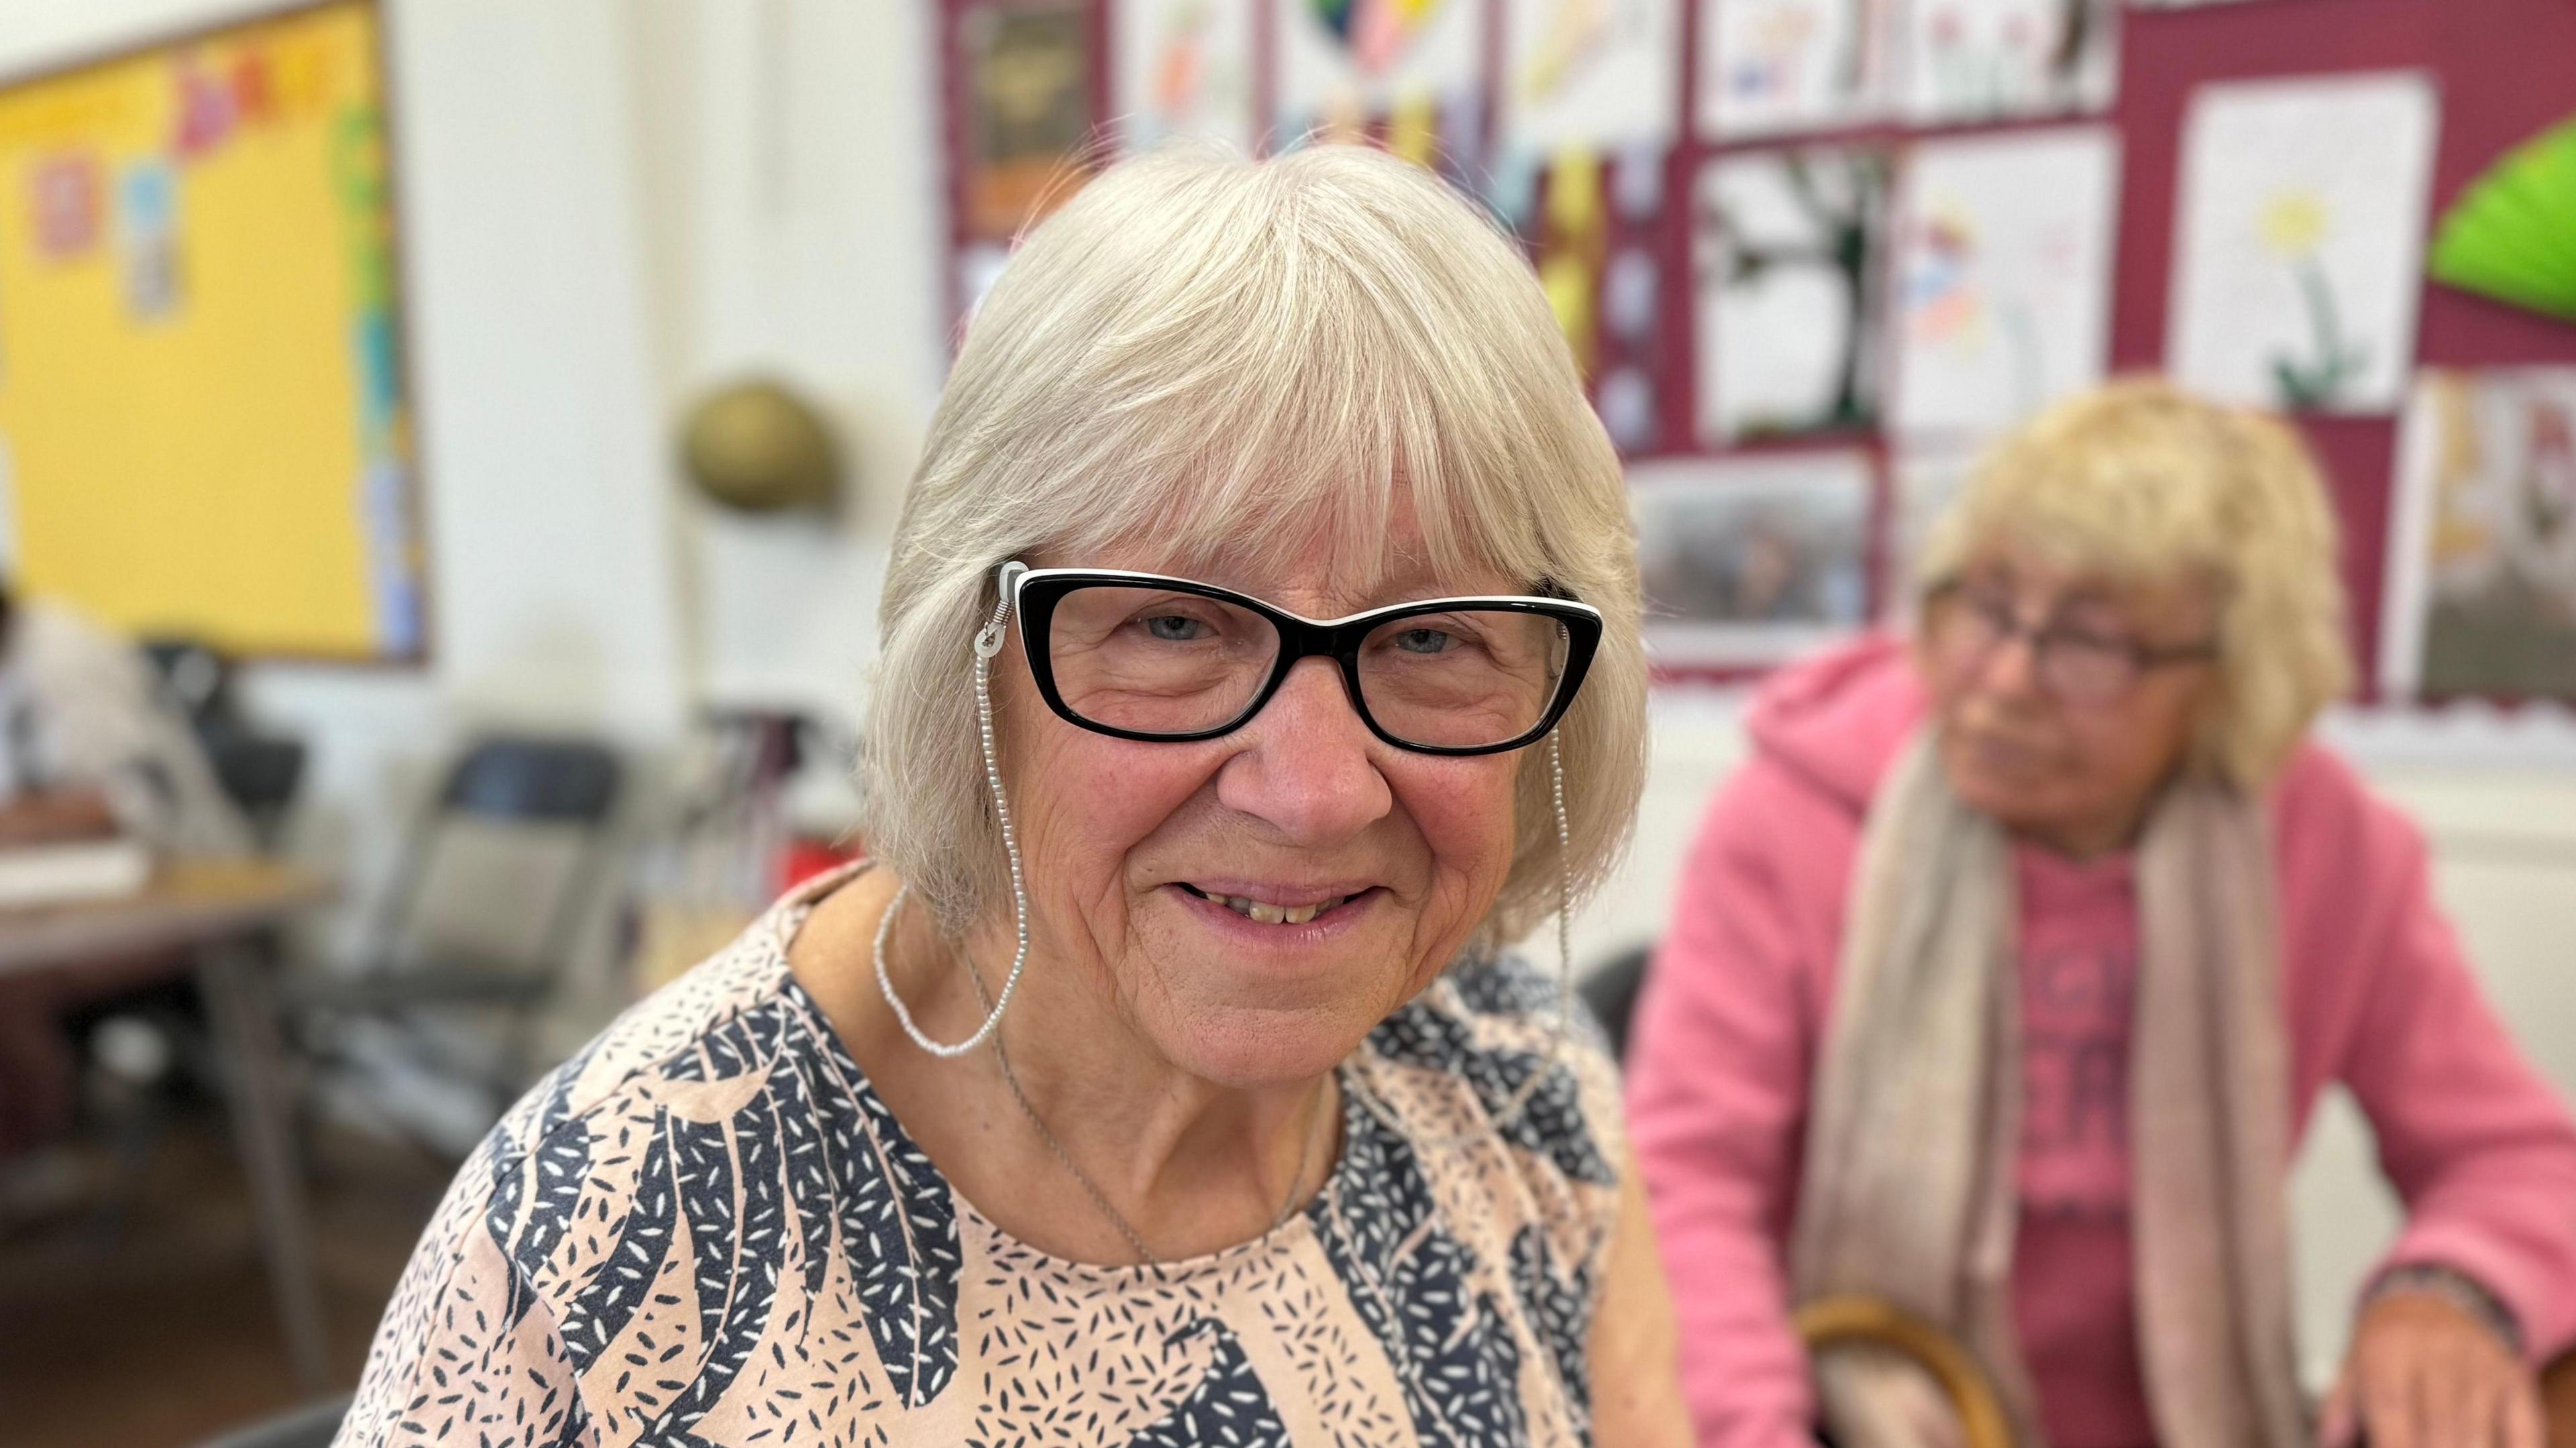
194, 678
559, 781
261, 773
497, 870
1610, 989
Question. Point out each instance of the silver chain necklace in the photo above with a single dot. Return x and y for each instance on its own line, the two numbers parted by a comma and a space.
1011, 1079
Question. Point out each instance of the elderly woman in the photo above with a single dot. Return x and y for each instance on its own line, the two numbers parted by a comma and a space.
2007, 972
1259, 652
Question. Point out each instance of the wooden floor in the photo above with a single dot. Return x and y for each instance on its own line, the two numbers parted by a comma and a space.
160, 1331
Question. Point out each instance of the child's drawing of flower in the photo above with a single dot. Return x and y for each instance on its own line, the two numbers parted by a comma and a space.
2295, 226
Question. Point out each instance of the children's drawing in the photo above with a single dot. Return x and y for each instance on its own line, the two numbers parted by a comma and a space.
1769, 67
1964, 60
1786, 257
2002, 296
1594, 74
2298, 240
1184, 69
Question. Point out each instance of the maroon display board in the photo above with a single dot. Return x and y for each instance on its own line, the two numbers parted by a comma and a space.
2505, 70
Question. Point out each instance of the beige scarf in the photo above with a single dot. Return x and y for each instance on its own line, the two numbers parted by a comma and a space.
1910, 1180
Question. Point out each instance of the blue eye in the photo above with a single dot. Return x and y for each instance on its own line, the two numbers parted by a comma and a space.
1423, 641
1175, 628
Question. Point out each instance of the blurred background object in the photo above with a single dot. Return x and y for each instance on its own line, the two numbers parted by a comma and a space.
378, 323
759, 447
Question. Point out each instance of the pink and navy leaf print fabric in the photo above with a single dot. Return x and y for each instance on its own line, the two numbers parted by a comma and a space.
708, 1230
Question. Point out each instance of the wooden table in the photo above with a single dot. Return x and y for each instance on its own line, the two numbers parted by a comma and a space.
223, 914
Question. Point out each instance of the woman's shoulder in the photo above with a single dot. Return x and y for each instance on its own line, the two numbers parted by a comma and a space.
2331, 830
678, 1031
590, 1137
1466, 1050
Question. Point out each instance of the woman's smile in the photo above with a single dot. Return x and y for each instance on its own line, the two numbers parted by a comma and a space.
1279, 920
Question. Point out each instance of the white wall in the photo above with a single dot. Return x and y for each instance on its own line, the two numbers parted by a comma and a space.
794, 226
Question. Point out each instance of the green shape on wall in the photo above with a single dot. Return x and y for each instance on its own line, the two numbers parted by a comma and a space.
2512, 234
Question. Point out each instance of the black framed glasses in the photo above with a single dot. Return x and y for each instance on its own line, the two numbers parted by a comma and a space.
1964, 625
1143, 656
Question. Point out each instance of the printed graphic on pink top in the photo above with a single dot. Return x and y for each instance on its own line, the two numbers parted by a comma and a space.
2079, 973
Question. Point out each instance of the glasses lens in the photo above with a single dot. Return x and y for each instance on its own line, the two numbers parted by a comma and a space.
1462, 678
1154, 661
2084, 670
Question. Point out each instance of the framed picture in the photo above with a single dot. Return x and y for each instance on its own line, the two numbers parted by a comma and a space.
1750, 562
2481, 583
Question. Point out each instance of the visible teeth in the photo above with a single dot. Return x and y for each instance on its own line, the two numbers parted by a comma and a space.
1269, 914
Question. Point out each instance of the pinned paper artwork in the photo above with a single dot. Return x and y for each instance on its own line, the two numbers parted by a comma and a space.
66, 200
1029, 110
1785, 250
1769, 67
1597, 74
1572, 247
1966, 60
2298, 238
147, 238
1748, 563
204, 106
1185, 70
2002, 293
1345, 65
2481, 582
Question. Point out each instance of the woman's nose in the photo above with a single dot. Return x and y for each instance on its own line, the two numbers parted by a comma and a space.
2011, 667
1306, 767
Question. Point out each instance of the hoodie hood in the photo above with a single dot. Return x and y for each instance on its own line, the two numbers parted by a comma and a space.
1838, 720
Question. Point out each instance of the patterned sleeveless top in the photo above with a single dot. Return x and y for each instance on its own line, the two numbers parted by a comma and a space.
706, 1229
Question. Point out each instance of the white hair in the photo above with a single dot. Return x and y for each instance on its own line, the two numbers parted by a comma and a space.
1215, 354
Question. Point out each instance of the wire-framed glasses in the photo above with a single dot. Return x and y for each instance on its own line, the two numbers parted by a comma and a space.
1144, 656
1964, 625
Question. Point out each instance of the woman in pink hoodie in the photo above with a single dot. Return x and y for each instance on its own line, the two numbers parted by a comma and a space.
2007, 972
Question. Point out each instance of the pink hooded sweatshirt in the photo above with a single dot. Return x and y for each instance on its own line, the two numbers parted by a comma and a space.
2376, 996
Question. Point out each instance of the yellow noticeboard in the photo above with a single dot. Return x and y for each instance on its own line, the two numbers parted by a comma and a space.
204, 426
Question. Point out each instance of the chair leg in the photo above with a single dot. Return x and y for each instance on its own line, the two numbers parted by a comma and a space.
235, 983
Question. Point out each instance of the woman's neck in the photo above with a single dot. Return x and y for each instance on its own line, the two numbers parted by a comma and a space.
1191, 1166
2086, 841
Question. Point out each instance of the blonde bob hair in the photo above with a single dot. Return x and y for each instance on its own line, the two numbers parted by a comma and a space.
1216, 355
2139, 483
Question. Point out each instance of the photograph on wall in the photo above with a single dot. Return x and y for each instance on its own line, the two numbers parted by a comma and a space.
1747, 563
1975, 60
1922, 483
1416, 67
1184, 69
1786, 264
2297, 240
1025, 75
2001, 298
1773, 67
1595, 75
2480, 597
